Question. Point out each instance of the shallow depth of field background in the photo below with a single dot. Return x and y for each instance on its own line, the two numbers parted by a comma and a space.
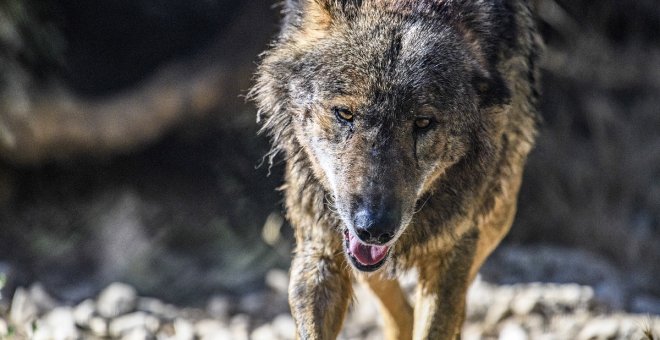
128, 152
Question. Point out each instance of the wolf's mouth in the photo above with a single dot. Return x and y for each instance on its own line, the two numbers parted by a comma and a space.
365, 257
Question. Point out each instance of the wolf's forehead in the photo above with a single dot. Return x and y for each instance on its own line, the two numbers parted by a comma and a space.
394, 50
391, 37
406, 60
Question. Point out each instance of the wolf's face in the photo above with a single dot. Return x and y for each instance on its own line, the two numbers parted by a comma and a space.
382, 105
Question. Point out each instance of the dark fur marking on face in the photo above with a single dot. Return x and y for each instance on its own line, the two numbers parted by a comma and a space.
415, 152
392, 53
491, 91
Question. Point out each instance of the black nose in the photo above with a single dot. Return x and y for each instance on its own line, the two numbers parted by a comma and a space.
376, 225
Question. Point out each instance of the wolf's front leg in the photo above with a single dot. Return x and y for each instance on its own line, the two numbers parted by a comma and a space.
319, 290
395, 309
437, 316
441, 292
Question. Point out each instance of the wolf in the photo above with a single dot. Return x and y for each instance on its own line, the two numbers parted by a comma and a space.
404, 126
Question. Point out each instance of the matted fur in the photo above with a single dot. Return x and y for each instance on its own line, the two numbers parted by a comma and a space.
469, 66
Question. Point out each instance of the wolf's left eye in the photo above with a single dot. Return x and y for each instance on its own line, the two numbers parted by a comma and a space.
343, 114
422, 123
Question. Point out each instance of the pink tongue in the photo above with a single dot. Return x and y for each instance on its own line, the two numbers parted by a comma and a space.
366, 254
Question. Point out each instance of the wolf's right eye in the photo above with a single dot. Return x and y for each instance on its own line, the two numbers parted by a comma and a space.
343, 114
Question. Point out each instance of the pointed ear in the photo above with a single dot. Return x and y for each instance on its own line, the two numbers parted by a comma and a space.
306, 21
311, 10
314, 17
318, 15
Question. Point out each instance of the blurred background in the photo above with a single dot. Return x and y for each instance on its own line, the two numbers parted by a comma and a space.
128, 152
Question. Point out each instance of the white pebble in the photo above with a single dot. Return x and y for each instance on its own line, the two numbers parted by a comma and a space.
207, 326
128, 322
264, 332
116, 299
183, 330
284, 326
157, 308
218, 307
239, 326
57, 325
527, 300
83, 312
599, 329
41, 298
512, 331
23, 309
4, 328
278, 280
139, 333
98, 326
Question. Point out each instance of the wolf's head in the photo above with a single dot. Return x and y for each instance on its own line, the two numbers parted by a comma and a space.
383, 97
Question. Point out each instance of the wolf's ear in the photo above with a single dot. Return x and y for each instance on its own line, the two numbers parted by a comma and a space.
316, 15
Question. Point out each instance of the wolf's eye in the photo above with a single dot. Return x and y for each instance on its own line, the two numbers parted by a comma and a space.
422, 123
343, 114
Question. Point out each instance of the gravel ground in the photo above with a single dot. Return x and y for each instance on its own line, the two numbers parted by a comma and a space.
586, 301
512, 312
